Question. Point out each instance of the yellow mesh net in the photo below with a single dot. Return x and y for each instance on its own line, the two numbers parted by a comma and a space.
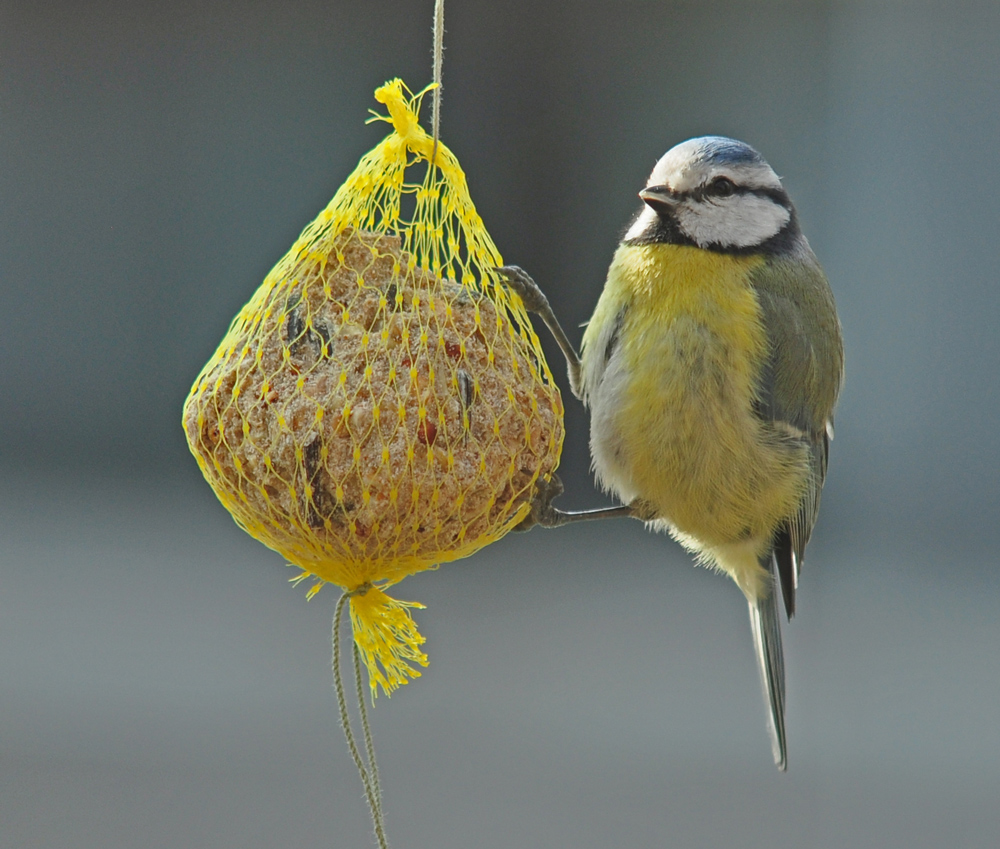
381, 405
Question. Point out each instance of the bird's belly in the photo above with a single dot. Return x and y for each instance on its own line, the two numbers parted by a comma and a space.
676, 429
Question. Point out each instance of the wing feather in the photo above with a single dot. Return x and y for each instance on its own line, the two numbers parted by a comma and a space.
797, 389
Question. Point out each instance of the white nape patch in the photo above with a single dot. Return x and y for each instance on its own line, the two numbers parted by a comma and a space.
739, 221
644, 223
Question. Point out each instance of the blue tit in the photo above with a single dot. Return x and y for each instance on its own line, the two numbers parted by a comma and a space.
711, 367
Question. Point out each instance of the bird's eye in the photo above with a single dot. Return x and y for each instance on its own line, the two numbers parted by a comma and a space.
721, 187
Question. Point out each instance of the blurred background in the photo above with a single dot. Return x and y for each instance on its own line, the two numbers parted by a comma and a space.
162, 686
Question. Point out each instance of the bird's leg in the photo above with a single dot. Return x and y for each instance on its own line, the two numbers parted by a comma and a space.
542, 512
545, 515
535, 301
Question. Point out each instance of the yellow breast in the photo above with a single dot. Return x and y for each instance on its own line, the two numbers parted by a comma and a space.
679, 431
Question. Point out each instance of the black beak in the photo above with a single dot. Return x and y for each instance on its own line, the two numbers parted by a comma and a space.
659, 198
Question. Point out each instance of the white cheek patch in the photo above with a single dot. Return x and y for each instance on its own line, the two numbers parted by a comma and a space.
740, 221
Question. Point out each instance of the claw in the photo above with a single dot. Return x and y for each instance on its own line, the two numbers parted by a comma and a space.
542, 512
519, 281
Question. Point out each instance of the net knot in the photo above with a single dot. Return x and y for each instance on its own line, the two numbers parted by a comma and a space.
360, 590
404, 116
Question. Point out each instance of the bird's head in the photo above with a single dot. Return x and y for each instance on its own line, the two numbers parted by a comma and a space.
715, 193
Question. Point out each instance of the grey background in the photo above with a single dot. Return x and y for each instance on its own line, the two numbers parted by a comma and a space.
162, 686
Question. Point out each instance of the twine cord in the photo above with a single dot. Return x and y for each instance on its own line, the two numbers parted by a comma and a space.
369, 773
438, 62
369, 742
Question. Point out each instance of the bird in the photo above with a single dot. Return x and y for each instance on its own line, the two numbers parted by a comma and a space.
711, 368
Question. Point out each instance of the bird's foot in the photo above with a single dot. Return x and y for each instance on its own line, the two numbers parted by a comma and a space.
518, 280
545, 515
542, 512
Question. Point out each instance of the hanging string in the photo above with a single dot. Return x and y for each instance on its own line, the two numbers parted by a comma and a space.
369, 771
367, 766
366, 728
438, 62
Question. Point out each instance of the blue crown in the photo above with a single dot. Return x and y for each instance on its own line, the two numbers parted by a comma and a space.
720, 150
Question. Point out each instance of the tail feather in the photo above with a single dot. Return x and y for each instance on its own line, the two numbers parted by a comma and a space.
766, 625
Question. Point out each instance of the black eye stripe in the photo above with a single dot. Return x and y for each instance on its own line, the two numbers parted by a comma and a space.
779, 196
720, 187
